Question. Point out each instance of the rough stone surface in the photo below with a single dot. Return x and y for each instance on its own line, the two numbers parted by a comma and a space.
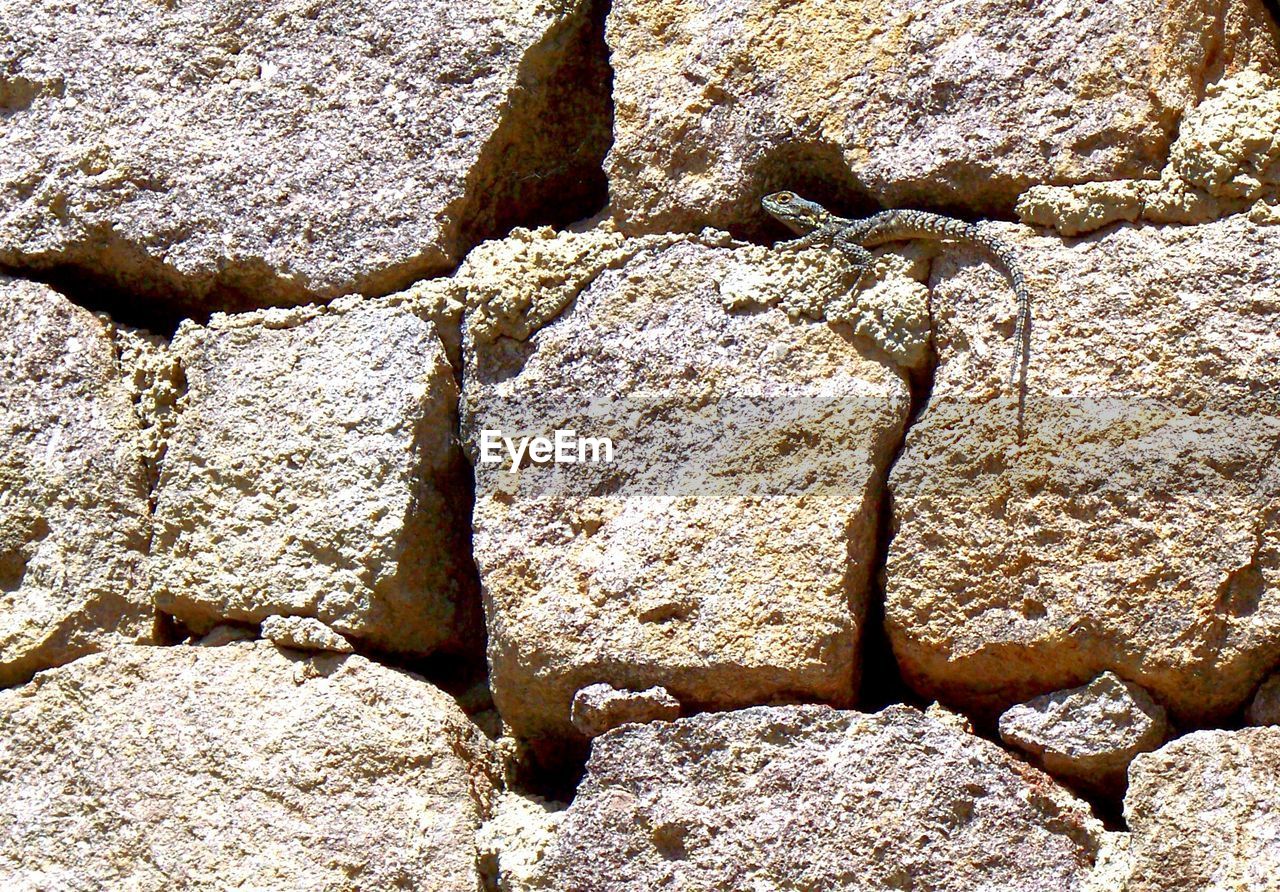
813, 798
513, 840
1089, 734
313, 471
904, 102
304, 633
1202, 813
598, 708
1136, 526
190, 767
1225, 160
73, 492
217, 153
222, 635
724, 553
1265, 708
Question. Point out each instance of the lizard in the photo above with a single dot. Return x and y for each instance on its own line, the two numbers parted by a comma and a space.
815, 225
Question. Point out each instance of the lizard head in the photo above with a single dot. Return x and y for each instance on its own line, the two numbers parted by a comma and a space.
798, 214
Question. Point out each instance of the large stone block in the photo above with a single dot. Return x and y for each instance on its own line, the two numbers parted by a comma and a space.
808, 797
74, 519
237, 767
313, 470
902, 102
234, 152
1135, 526
1203, 813
724, 554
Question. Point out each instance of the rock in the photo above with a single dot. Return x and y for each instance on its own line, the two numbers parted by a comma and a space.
1265, 708
901, 102
514, 839
1090, 734
811, 797
1114, 866
304, 633
190, 767
74, 518
598, 708
154, 380
313, 472
1202, 813
222, 635
234, 154
1225, 160
1134, 528
723, 554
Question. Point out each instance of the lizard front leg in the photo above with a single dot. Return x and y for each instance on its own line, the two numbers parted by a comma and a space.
859, 257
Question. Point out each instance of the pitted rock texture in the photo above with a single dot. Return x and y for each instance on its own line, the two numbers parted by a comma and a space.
724, 553
1225, 160
313, 470
228, 767
1265, 707
809, 797
244, 152
903, 102
304, 633
74, 521
1202, 813
1090, 734
598, 708
1135, 527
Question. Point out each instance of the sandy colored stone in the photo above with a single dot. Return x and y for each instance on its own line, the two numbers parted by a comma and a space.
246, 152
598, 708
814, 798
1265, 707
192, 767
1090, 734
223, 634
1135, 527
513, 840
304, 633
724, 553
1202, 813
901, 102
73, 490
1226, 160
313, 471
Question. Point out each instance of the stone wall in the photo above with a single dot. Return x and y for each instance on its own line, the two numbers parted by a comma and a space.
290, 597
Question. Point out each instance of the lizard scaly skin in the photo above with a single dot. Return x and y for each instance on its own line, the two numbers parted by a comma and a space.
816, 225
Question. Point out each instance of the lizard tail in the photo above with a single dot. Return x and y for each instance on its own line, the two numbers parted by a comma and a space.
1013, 270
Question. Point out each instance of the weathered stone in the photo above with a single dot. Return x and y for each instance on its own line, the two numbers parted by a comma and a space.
901, 101
313, 471
73, 494
1202, 813
814, 798
154, 380
598, 708
219, 154
304, 633
514, 839
1265, 708
724, 553
222, 635
1089, 734
1135, 526
191, 767
1225, 160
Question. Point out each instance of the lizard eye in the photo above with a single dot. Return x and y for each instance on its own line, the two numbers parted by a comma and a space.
785, 197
